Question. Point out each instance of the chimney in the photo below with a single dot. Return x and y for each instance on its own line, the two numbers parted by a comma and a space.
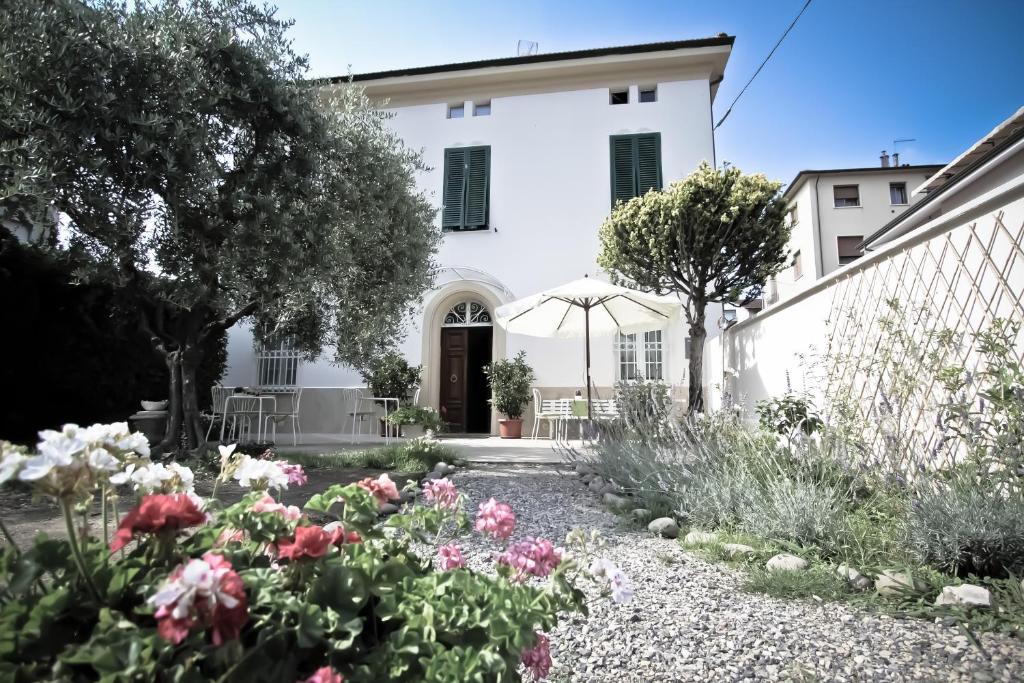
885, 159
895, 159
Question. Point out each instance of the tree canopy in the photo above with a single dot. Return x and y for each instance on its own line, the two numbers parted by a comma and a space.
717, 236
191, 158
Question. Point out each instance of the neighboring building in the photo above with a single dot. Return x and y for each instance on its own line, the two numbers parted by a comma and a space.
832, 211
526, 156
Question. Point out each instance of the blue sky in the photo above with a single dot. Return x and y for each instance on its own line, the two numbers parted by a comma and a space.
852, 76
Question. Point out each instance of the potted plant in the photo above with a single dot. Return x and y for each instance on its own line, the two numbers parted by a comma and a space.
510, 392
389, 375
416, 421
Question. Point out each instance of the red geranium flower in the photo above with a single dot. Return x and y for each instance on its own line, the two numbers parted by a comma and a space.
206, 593
158, 512
339, 536
309, 541
325, 674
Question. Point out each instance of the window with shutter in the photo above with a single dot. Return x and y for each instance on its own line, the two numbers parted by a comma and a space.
847, 246
467, 173
635, 165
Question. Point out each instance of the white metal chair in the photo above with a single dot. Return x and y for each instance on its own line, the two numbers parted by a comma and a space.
218, 394
244, 410
292, 415
546, 411
359, 413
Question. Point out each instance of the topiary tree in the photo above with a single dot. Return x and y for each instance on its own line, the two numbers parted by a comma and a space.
716, 236
209, 181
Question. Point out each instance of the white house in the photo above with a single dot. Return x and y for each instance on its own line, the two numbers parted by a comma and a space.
832, 211
526, 156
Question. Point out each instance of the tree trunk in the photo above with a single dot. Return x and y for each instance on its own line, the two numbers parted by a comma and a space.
698, 334
192, 420
171, 436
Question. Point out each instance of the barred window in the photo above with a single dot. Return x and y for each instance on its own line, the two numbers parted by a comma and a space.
277, 363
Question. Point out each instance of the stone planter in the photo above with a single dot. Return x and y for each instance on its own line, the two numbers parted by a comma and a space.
413, 431
152, 423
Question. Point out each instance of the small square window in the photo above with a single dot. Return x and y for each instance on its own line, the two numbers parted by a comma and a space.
619, 96
482, 109
792, 215
798, 266
897, 193
456, 111
846, 195
649, 94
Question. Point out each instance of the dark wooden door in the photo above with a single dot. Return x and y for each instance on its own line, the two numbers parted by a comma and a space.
454, 357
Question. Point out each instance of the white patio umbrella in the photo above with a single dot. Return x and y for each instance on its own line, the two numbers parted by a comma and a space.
584, 308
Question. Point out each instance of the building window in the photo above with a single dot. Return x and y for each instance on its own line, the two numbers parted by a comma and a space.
640, 360
277, 363
635, 165
849, 248
792, 215
482, 108
457, 111
618, 96
467, 314
846, 195
467, 172
897, 193
798, 266
649, 94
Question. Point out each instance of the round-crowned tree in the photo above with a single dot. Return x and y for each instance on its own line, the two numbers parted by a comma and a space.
716, 236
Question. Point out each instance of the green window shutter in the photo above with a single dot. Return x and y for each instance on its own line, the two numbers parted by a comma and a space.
623, 169
477, 186
648, 163
454, 188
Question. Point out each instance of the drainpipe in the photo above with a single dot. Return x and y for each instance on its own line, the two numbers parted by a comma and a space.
817, 229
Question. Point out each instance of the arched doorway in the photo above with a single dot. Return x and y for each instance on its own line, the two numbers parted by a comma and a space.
467, 342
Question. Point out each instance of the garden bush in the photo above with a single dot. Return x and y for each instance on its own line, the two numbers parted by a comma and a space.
963, 524
87, 359
186, 589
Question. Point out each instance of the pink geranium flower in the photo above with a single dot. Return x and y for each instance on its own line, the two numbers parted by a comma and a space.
206, 593
450, 557
325, 674
296, 475
495, 519
339, 535
381, 488
442, 492
267, 504
530, 556
538, 658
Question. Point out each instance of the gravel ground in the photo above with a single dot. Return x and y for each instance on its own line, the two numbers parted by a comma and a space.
690, 621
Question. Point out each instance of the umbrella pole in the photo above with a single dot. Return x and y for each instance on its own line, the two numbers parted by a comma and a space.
586, 317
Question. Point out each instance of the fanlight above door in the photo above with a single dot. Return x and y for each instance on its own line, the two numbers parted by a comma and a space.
468, 314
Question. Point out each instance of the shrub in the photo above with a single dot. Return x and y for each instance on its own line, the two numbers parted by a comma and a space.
789, 416
389, 375
510, 384
963, 524
644, 405
417, 415
78, 347
793, 508
260, 591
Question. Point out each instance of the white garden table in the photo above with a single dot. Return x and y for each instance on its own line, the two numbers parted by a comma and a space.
240, 410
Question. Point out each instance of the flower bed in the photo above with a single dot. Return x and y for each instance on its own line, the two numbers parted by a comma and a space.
188, 589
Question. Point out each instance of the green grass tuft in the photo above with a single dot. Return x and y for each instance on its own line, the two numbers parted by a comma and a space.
397, 457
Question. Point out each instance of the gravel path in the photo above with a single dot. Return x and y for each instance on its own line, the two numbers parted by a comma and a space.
690, 621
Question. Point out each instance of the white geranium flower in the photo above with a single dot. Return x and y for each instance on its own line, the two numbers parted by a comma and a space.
184, 474
602, 567
38, 466
11, 463
151, 477
226, 451
256, 473
122, 477
101, 460
622, 587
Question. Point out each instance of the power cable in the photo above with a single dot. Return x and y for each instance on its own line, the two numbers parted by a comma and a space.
786, 33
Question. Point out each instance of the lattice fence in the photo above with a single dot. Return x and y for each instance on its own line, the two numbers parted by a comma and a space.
899, 321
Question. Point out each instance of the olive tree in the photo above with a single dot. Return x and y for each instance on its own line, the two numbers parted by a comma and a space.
208, 178
718, 235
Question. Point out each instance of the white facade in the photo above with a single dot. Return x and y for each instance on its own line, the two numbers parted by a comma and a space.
548, 127
822, 224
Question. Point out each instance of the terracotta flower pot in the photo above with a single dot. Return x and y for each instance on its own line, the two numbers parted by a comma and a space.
510, 429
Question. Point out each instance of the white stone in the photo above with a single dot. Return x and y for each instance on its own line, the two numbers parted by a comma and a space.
596, 485
640, 514
388, 508
616, 502
665, 527
735, 549
700, 538
853, 577
891, 582
784, 562
966, 594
